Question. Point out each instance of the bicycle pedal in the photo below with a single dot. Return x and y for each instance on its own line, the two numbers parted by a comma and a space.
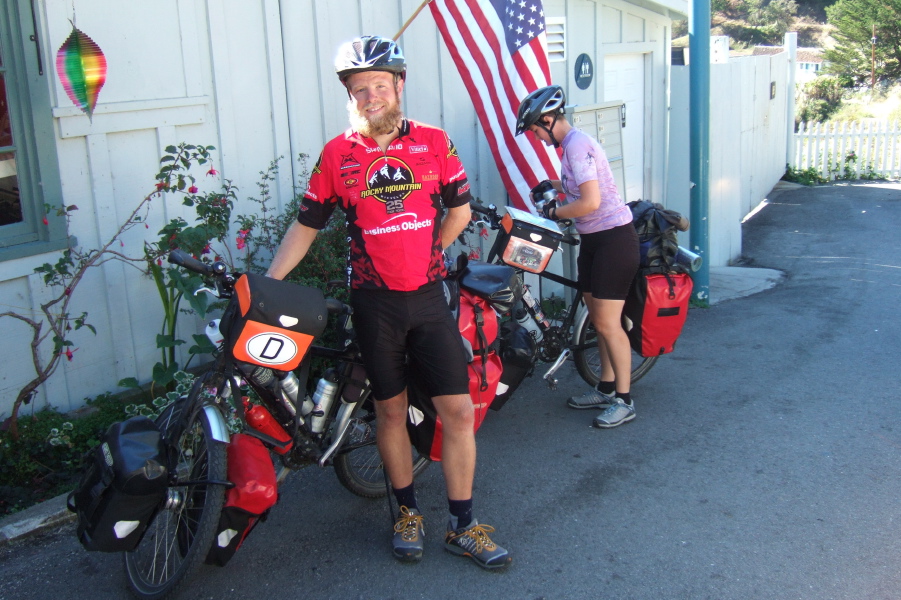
552, 383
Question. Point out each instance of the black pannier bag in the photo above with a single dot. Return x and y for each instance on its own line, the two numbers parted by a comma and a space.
517, 353
124, 484
272, 323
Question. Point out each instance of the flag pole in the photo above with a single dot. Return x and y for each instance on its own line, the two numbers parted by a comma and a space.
410, 20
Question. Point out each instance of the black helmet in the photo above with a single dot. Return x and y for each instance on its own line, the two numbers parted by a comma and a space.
542, 101
369, 53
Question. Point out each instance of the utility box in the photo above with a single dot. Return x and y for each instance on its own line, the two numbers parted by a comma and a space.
604, 122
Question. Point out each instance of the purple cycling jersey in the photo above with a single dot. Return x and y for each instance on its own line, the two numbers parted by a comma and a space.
585, 160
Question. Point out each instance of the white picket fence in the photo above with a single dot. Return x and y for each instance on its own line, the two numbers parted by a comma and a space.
837, 150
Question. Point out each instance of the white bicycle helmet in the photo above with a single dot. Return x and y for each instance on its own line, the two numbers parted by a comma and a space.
370, 53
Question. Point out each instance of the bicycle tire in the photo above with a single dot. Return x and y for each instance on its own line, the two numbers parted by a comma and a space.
588, 361
182, 531
360, 469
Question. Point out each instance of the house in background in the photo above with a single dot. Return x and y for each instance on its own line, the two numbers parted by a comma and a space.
808, 63
255, 80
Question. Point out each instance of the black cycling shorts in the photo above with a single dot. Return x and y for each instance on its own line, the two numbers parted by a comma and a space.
608, 261
391, 325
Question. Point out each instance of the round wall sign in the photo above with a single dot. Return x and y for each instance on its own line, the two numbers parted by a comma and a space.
584, 71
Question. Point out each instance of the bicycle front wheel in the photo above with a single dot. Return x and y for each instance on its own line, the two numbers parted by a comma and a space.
181, 533
359, 466
588, 359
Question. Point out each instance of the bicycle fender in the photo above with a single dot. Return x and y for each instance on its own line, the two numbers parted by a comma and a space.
218, 426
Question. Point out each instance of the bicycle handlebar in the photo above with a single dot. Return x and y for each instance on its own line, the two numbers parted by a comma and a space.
224, 283
183, 259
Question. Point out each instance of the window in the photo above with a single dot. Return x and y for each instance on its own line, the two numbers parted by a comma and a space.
29, 171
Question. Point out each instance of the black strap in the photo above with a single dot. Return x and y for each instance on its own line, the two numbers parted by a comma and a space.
483, 343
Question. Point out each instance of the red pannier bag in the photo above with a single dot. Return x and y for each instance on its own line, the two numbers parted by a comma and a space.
479, 327
255, 492
655, 311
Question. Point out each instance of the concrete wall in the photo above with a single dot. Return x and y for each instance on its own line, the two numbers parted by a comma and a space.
747, 145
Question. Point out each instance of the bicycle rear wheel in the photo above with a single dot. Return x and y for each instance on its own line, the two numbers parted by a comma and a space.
588, 360
180, 535
359, 466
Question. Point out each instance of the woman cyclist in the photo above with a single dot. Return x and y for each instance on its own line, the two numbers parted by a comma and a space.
608, 259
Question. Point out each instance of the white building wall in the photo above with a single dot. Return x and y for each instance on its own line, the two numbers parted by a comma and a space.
747, 145
254, 79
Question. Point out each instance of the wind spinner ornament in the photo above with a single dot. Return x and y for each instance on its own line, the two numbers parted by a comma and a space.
81, 66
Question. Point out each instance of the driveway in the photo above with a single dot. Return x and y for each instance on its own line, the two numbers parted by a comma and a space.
764, 462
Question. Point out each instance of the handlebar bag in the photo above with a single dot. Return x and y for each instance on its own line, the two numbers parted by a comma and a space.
123, 485
255, 491
527, 242
272, 323
655, 311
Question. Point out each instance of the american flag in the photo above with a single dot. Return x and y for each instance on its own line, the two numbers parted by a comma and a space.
500, 49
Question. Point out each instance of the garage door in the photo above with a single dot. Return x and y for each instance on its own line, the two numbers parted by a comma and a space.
624, 80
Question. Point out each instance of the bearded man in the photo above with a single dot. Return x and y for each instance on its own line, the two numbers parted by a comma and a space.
406, 197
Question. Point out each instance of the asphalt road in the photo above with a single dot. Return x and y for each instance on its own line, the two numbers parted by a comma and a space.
764, 462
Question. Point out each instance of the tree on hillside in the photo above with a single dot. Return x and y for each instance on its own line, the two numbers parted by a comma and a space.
851, 59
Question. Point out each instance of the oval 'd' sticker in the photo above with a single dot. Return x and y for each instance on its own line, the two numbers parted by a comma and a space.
271, 348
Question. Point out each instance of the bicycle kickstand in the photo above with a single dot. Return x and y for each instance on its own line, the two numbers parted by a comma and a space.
549, 376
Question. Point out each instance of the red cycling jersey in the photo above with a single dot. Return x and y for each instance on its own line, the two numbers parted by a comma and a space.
393, 202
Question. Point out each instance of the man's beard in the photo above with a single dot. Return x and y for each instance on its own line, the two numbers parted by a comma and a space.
381, 124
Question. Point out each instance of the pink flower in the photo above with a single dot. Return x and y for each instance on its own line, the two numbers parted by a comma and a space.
206, 249
159, 261
484, 232
242, 235
160, 186
192, 189
121, 243
146, 226
67, 291
46, 222
474, 254
212, 171
68, 354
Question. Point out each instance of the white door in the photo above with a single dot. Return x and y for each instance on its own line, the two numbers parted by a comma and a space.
624, 80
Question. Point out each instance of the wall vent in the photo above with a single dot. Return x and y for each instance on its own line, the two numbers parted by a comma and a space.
556, 38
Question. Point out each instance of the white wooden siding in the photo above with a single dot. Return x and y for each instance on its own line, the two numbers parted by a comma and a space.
256, 80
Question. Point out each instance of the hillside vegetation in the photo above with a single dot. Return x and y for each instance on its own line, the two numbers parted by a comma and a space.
750, 23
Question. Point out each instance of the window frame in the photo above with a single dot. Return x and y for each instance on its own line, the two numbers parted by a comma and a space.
27, 76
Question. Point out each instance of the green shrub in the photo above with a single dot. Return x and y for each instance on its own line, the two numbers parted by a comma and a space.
809, 176
46, 459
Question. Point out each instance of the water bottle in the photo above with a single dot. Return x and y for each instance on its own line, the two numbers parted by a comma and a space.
525, 319
534, 307
262, 376
323, 397
213, 334
260, 419
290, 386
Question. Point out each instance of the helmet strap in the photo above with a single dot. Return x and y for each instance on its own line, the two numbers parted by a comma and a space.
550, 130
